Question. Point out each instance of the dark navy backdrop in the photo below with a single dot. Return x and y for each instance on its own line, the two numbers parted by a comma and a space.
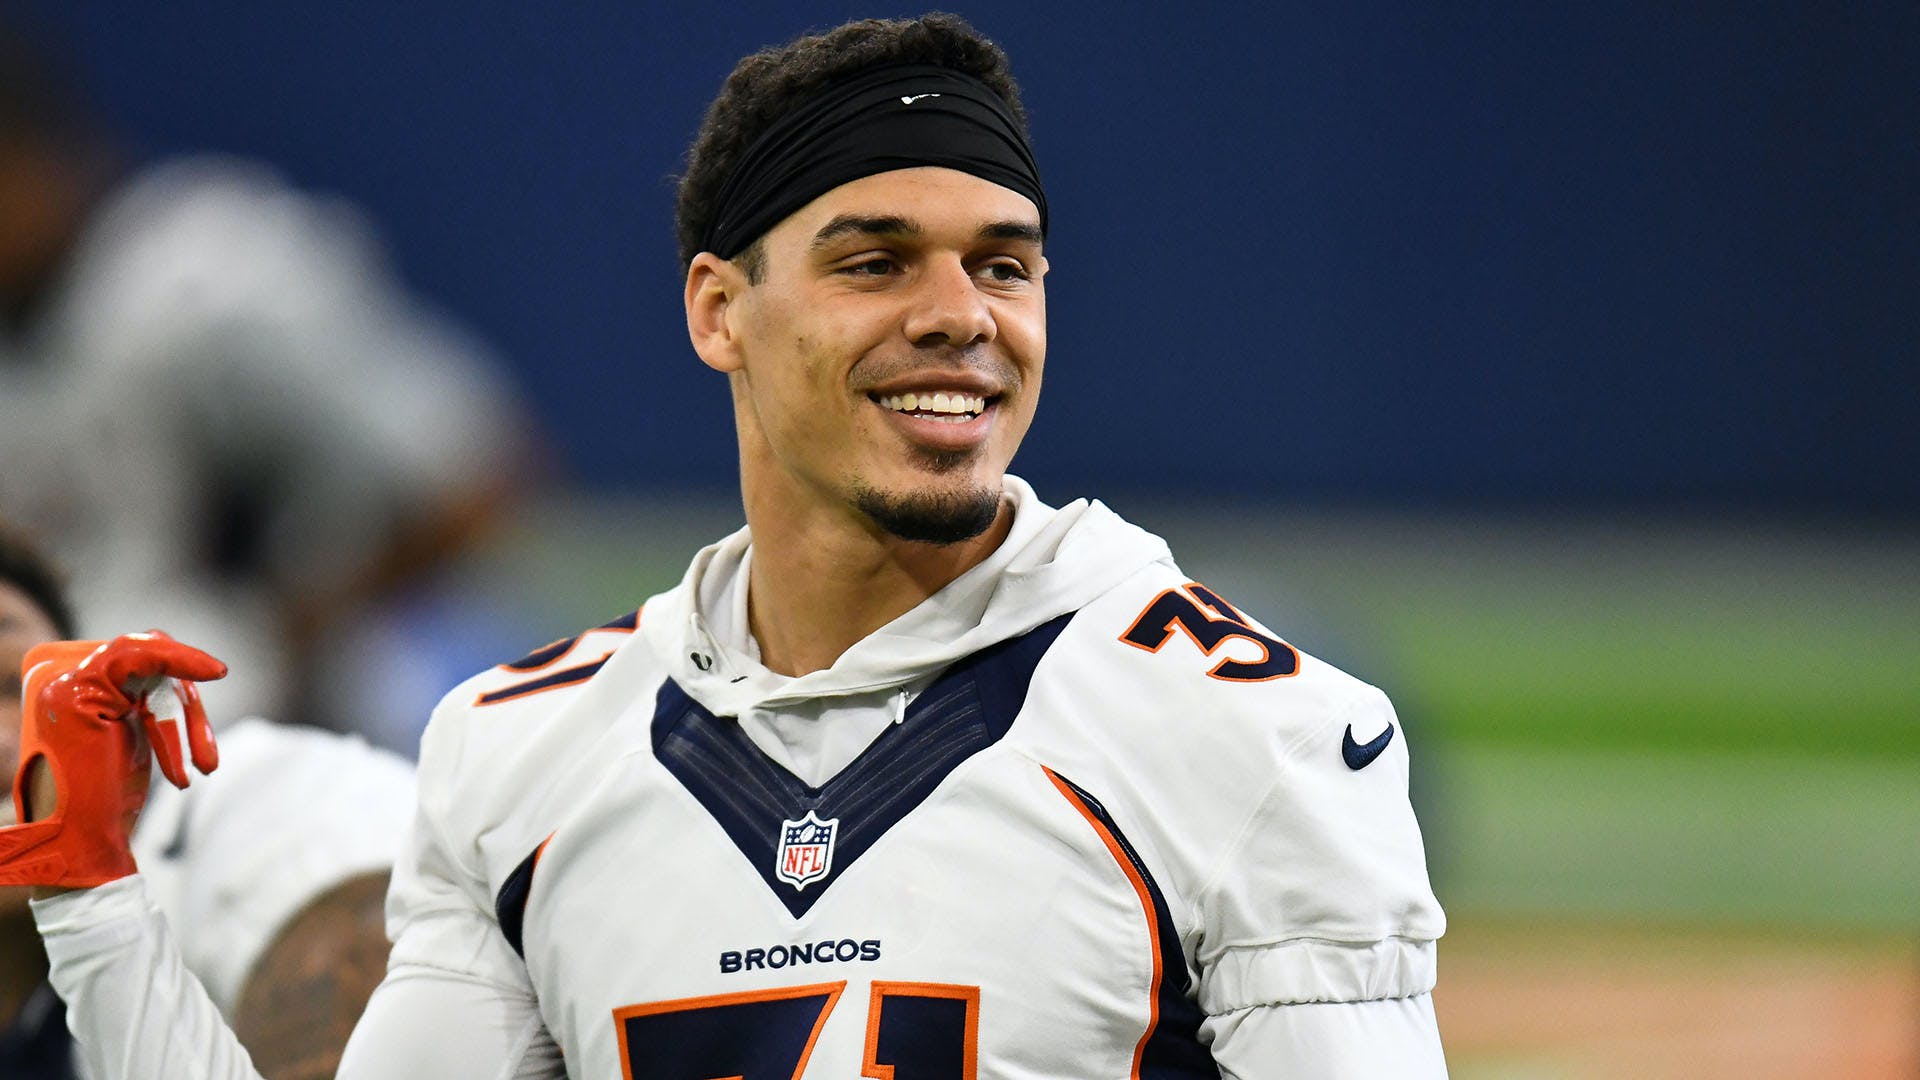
1628, 254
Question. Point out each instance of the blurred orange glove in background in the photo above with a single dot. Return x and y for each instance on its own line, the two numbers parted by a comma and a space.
78, 698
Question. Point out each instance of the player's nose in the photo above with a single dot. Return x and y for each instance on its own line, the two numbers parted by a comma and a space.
946, 307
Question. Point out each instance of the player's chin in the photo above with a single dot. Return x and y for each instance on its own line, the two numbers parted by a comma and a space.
956, 509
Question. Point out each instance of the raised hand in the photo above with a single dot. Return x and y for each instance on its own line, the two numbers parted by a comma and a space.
83, 767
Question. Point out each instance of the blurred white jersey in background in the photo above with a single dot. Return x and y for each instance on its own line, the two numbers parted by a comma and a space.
223, 354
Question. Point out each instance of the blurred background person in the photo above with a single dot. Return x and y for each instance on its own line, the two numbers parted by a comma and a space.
219, 402
271, 871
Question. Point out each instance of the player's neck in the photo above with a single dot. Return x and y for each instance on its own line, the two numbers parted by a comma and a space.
821, 583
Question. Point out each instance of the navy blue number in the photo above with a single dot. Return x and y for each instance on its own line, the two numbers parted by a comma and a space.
758, 1035
1210, 622
923, 1031
915, 1031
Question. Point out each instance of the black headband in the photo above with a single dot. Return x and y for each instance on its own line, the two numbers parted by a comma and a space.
895, 117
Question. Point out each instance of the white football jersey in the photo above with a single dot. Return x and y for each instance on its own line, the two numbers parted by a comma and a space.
1110, 809
215, 332
290, 813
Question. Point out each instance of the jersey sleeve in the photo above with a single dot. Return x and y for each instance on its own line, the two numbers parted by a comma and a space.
456, 999
426, 1022
134, 1008
137, 1013
440, 907
1324, 896
1357, 1040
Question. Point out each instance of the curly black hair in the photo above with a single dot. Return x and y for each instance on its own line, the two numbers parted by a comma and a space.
765, 85
26, 568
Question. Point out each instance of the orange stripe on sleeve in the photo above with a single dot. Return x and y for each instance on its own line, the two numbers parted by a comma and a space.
1146, 906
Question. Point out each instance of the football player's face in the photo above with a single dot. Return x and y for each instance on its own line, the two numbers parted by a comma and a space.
890, 357
22, 626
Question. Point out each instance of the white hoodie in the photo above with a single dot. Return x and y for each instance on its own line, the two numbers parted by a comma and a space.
1052, 562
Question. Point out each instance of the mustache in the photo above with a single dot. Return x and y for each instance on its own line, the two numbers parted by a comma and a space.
876, 370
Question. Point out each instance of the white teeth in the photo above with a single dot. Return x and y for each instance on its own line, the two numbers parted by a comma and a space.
958, 406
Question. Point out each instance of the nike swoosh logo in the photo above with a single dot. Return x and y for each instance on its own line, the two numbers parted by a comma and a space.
904, 100
1360, 755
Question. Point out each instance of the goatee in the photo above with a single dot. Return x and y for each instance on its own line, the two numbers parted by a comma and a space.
943, 517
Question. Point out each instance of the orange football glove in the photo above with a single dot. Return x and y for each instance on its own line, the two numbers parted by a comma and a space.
78, 696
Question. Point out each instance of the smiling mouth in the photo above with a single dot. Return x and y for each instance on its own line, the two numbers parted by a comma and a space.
942, 406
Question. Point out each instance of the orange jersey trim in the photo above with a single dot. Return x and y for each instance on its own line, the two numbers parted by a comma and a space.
970, 1055
572, 676
1146, 907
553, 652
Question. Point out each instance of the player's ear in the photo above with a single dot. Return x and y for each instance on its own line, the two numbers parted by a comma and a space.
713, 287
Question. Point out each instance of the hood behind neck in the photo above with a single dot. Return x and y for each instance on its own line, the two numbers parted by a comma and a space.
1053, 561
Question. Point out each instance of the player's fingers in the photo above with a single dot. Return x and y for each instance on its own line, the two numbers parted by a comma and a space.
206, 755
186, 662
132, 657
160, 715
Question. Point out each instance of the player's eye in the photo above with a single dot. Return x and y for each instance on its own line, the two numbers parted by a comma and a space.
1006, 271
875, 267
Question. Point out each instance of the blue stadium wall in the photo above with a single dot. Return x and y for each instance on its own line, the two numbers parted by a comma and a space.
1639, 254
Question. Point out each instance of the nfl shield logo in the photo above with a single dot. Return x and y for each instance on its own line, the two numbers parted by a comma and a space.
806, 849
